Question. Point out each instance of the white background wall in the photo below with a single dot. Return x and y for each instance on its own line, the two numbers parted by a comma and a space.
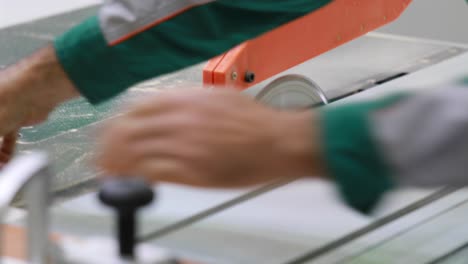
435, 19
18, 11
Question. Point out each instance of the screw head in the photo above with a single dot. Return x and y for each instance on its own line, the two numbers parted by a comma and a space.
234, 76
249, 77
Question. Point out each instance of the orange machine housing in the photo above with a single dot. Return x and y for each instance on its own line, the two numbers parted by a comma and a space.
300, 40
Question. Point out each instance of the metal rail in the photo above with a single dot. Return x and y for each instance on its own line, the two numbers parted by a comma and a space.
216, 209
315, 253
450, 254
404, 231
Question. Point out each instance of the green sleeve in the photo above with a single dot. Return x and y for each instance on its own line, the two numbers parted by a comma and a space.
101, 71
352, 156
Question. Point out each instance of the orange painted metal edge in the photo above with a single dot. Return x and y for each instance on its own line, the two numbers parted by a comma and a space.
300, 40
210, 68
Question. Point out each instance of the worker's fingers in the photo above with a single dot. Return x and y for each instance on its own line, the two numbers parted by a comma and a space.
3, 160
152, 169
181, 99
166, 125
7, 148
123, 159
175, 171
9, 143
168, 170
164, 101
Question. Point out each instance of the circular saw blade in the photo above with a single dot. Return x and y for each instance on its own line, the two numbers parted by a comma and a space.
292, 92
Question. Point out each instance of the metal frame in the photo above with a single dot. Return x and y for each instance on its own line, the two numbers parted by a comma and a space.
30, 173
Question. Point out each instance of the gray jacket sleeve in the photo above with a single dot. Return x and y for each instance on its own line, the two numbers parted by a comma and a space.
404, 140
424, 139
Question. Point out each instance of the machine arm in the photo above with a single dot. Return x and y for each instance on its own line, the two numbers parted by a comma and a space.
300, 40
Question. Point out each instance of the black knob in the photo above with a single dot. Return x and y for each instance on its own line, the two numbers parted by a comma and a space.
126, 196
249, 77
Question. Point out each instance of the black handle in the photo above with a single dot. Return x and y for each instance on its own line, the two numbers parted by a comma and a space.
126, 196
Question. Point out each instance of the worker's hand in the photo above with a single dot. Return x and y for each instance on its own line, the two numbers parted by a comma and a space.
216, 138
29, 90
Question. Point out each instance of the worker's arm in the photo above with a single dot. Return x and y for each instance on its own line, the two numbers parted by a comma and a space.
133, 40
224, 139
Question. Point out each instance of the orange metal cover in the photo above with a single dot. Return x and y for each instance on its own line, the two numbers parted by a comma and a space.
300, 40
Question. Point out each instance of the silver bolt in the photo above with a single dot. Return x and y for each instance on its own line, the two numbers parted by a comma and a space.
234, 76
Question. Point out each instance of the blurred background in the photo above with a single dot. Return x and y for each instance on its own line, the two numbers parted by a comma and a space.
424, 18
